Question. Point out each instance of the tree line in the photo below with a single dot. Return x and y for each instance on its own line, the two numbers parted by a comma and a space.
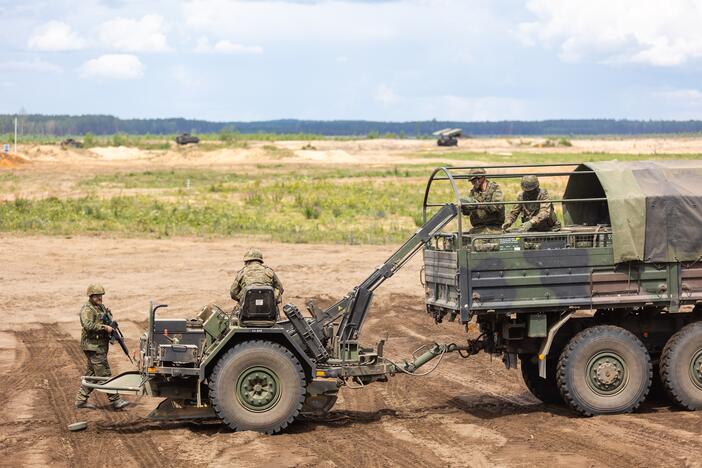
60, 125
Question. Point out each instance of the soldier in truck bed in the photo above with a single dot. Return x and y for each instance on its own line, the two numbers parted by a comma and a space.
537, 216
255, 272
485, 219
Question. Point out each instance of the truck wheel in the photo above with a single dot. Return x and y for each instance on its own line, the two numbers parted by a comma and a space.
681, 367
257, 386
604, 369
546, 389
318, 405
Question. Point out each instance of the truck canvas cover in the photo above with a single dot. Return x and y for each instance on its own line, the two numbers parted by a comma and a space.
654, 207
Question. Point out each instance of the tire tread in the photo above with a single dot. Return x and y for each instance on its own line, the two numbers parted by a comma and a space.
567, 355
237, 348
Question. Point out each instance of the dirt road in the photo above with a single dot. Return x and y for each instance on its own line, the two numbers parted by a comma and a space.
470, 412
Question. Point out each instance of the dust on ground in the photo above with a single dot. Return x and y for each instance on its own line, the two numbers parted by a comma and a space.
470, 412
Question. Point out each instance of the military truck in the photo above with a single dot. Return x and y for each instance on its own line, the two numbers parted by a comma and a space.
447, 136
590, 313
186, 139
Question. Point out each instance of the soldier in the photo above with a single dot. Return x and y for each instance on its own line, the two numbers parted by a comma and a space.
537, 216
95, 342
484, 218
255, 272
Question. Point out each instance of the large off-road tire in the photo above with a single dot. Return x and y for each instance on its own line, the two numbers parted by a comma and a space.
681, 367
546, 389
257, 386
603, 370
318, 405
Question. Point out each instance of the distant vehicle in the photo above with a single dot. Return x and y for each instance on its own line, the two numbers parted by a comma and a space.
187, 138
447, 136
70, 142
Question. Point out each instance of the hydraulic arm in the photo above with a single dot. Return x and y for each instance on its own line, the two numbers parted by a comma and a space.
353, 307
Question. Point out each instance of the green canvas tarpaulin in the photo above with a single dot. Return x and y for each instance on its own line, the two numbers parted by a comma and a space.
654, 207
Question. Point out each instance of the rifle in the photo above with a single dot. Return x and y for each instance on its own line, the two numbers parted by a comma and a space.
117, 335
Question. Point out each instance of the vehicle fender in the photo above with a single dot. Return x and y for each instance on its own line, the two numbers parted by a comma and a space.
239, 335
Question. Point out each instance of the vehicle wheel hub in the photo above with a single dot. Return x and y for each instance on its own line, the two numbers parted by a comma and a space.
696, 369
258, 389
606, 373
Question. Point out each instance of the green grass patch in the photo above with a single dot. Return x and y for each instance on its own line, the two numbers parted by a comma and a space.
289, 208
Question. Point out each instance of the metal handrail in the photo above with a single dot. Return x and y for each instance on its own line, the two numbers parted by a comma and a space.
503, 175
448, 173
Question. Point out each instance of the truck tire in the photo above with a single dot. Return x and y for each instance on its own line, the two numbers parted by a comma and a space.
546, 389
604, 370
681, 367
257, 386
318, 405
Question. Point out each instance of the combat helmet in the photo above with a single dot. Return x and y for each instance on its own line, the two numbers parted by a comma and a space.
94, 289
529, 183
253, 255
476, 173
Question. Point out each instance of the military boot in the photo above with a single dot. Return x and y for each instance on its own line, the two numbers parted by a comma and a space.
119, 404
84, 405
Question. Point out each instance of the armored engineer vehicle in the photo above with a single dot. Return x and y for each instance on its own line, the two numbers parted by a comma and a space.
591, 313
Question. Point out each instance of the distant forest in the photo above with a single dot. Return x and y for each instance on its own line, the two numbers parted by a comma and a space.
59, 125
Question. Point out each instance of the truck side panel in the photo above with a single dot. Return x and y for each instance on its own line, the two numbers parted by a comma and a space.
561, 277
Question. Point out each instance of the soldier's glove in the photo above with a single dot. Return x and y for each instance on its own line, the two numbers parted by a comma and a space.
525, 226
469, 203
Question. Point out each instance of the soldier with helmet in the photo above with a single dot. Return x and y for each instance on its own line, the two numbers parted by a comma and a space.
537, 216
95, 343
255, 273
485, 218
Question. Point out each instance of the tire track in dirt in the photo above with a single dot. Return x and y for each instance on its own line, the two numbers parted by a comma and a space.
15, 378
44, 366
141, 447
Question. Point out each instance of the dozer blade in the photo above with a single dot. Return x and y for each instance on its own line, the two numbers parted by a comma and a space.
170, 410
127, 383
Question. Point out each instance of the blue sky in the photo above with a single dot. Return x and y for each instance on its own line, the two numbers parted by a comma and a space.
377, 60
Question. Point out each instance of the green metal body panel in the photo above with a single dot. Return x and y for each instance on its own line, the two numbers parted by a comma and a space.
237, 335
465, 282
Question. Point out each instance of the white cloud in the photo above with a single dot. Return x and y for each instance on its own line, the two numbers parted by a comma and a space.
113, 66
147, 34
55, 36
33, 66
641, 31
339, 21
224, 46
343, 59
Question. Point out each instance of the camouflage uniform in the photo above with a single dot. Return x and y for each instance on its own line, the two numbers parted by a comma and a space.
255, 272
95, 342
485, 219
540, 214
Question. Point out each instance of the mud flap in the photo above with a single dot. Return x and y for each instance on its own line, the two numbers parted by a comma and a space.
170, 409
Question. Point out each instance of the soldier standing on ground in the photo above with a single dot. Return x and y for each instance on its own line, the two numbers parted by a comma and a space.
537, 216
95, 343
255, 273
484, 218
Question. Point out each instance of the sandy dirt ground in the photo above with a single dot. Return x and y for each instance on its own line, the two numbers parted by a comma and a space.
469, 412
